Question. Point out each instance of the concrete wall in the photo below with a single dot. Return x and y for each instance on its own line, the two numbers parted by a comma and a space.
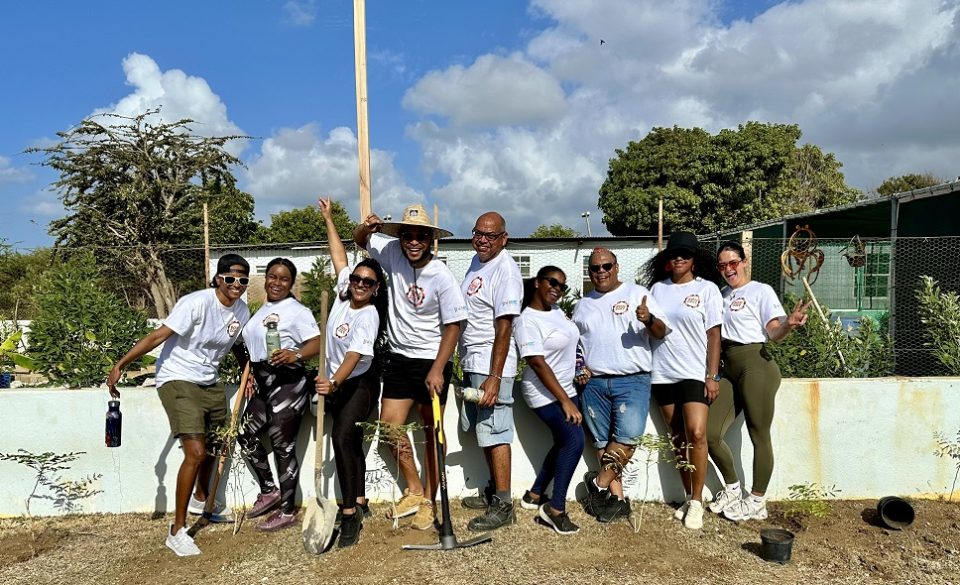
870, 438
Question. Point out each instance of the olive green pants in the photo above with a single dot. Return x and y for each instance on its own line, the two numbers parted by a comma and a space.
749, 385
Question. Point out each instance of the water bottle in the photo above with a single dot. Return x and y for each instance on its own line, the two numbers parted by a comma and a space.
471, 394
581, 369
114, 422
273, 339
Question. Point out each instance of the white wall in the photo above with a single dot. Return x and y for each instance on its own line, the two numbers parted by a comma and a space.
869, 437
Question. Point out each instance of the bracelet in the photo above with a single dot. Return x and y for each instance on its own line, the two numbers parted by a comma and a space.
495, 376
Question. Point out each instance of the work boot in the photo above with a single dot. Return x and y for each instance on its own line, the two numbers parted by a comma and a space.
498, 514
481, 501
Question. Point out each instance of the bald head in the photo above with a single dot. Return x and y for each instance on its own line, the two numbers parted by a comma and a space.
489, 235
493, 219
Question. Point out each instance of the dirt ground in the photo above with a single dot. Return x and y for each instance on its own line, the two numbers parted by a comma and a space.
848, 546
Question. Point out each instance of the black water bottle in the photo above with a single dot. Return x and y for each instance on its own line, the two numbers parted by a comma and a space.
114, 422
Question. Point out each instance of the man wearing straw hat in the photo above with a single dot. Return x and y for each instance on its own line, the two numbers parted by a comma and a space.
426, 314
493, 290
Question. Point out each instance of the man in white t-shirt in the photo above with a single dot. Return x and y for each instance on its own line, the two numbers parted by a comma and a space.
493, 290
426, 313
616, 322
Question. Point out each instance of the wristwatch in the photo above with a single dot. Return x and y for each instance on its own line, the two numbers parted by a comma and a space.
716, 377
299, 355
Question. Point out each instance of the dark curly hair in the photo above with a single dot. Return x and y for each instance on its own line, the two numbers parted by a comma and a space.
704, 266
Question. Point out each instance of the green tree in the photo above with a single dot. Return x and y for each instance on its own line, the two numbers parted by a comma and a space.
306, 224
905, 183
713, 182
19, 273
132, 188
556, 230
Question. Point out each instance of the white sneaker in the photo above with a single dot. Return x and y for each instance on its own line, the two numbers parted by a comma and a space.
746, 509
694, 518
181, 543
221, 513
724, 499
680, 512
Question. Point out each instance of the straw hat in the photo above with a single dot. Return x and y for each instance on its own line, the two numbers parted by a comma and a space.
414, 215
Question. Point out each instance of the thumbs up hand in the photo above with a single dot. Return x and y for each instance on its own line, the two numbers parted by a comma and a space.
643, 313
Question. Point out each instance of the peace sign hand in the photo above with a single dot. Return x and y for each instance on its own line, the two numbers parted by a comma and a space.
798, 317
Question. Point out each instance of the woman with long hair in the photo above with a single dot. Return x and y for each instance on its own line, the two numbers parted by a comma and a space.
686, 364
279, 393
548, 341
349, 380
752, 315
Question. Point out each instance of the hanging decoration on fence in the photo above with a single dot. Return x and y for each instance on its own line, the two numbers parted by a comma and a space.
802, 254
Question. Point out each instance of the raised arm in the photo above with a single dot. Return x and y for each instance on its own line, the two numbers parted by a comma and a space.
338, 254
370, 225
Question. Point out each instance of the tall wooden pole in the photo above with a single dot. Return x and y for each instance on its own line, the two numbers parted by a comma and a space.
363, 132
206, 245
436, 222
660, 227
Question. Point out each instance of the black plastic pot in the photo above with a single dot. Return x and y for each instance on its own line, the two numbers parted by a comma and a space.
895, 513
777, 544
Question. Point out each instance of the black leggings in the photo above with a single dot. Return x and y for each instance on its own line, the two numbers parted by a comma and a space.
351, 403
277, 407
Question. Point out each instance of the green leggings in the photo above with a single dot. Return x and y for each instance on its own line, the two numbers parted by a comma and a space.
749, 385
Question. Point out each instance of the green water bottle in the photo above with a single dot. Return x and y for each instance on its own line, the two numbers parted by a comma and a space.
273, 339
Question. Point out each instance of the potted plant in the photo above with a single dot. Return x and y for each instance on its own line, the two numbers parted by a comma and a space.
10, 357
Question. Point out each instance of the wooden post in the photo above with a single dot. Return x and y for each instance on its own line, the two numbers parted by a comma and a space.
660, 227
436, 222
206, 245
363, 132
746, 240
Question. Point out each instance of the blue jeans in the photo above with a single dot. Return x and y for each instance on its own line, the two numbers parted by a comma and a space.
616, 407
561, 461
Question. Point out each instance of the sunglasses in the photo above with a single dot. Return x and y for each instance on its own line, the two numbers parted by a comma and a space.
243, 280
606, 267
554, 283
489, 236
418, 236
368, 282
682, 254
721, 266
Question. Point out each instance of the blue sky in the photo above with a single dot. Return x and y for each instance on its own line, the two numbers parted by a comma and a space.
474, 105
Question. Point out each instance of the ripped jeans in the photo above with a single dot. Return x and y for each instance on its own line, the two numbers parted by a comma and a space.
616, 407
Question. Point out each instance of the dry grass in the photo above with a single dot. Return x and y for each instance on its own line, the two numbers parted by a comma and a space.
844, 548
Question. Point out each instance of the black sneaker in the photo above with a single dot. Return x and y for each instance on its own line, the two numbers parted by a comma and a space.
613, 508
481, 501
350, 527
560, 523
596, 499
499, 513
364, 508
528, 503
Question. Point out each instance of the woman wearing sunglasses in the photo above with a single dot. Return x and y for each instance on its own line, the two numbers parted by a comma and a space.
686, 363
752, 315
548, 341
349, 380
202, 327
278, 394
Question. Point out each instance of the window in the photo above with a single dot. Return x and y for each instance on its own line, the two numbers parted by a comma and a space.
260, 269
876, 274
586, 267
442, 258
524, 263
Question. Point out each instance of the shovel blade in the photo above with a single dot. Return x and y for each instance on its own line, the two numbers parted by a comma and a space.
318, 523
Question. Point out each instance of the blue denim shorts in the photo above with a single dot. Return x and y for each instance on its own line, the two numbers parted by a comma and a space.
616, 407
494, 425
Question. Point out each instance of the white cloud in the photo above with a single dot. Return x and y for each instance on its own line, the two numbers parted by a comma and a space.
299, 13
295, 166
12, 174
44, 204
874, 83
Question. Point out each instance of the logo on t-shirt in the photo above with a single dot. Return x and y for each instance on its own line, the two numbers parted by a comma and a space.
342, 331
475, 285
416, 295
738, 303
271, 318
692, 301
620, 307
233, 328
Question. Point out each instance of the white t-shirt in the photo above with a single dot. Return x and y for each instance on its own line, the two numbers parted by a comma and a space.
747, 310
613, 340
205, 330
422, 300
491, 289
350, 329
692, 307
295, 323
552, 335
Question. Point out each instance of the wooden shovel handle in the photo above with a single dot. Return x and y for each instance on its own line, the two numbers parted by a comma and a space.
318, 430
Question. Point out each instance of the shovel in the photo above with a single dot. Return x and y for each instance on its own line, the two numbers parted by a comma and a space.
207, 515
321, 513
448, 540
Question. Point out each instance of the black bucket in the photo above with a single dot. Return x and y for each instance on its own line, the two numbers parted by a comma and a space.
895, 513
777, 544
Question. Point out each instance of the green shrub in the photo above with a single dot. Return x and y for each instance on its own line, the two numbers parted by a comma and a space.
811, 352
940, 315
80, 329
315, 281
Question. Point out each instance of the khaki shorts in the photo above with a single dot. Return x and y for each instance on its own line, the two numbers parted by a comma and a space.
193, 409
